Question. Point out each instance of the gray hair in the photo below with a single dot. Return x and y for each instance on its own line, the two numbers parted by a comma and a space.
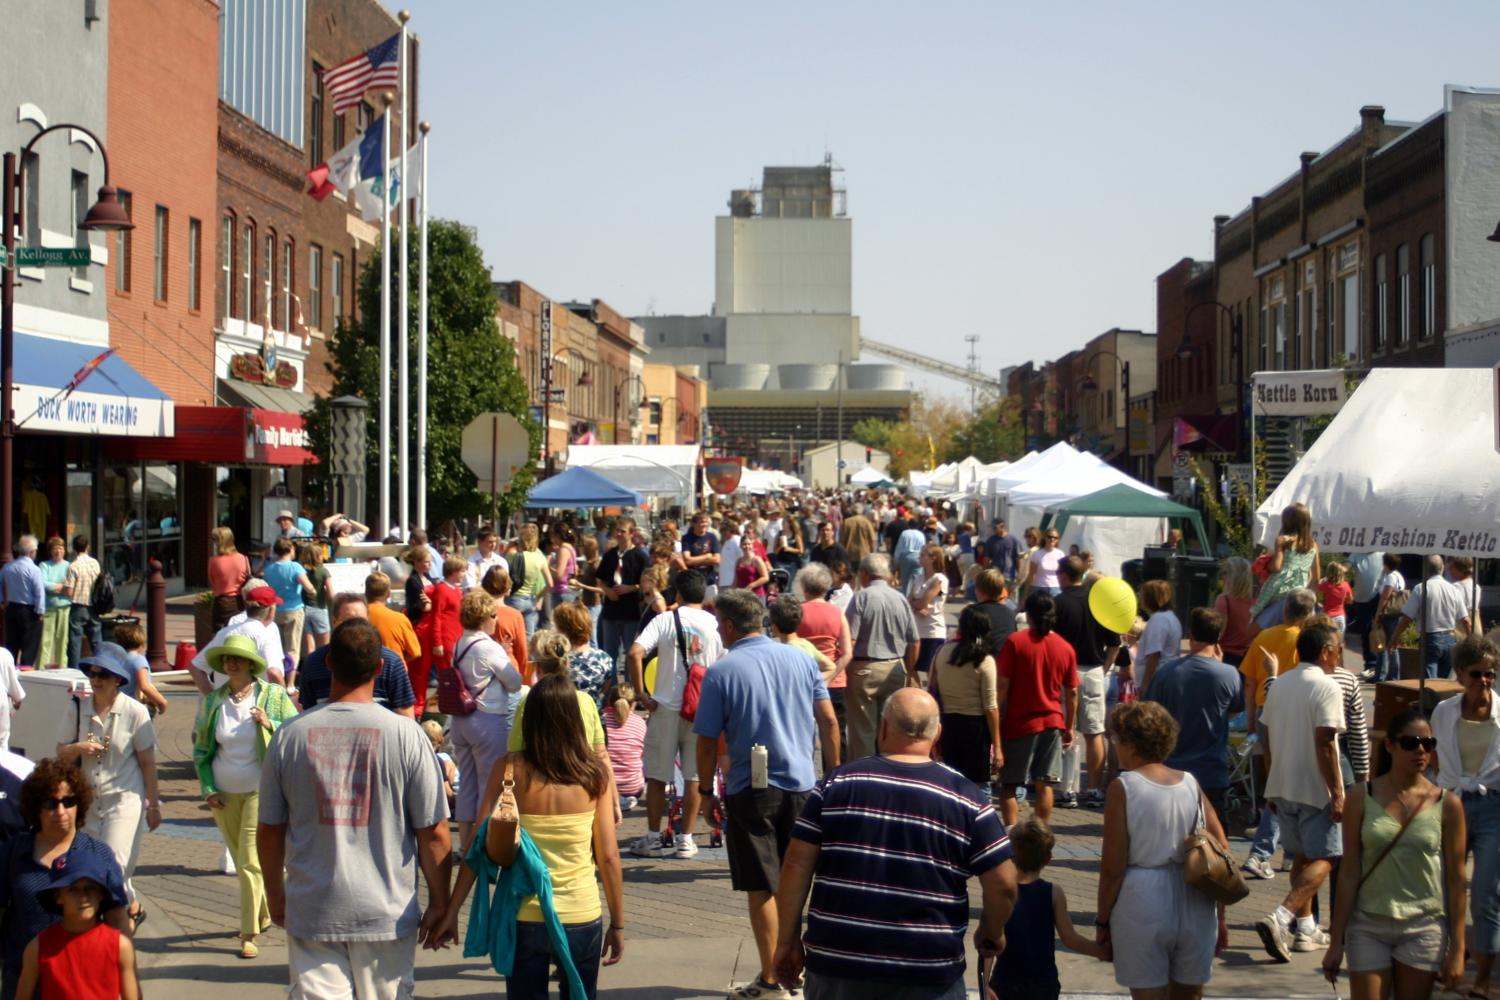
876, 565
1299, 604
25, 546
742, 609
916, 721
1433, 565
814, 581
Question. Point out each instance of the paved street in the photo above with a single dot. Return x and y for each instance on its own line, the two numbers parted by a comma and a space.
688, 932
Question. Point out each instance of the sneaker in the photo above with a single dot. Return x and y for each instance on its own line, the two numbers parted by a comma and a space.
1094, 798
1258, 868
1273, 934
1286, 862
683, 846
1067, 800
759, 989
647, 846
1315, 940
628, 803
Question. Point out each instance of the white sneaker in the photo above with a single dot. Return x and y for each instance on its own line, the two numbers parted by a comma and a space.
759, 989
1315, 940
628, 803
683, 846
1257, 868
648, 845
226, 863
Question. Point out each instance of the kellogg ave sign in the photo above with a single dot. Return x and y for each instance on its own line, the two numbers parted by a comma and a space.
1299, 394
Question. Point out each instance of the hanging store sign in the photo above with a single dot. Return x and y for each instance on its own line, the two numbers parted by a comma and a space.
45, 408
1299, 394
723, 474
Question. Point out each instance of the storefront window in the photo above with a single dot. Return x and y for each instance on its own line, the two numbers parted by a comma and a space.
141, 522
80, 503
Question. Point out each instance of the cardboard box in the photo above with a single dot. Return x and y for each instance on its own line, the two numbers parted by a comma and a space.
1392, 697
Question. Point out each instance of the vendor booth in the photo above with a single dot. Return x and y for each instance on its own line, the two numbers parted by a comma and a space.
581, 487
652, 470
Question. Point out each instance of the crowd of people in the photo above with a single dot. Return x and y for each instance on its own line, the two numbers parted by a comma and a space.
784, 674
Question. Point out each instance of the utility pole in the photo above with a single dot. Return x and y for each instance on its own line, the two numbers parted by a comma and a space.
972, 340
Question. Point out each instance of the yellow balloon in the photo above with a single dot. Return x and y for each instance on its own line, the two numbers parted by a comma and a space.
650, 677
1113, 604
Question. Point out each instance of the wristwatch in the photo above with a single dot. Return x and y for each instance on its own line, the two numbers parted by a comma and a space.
702, 790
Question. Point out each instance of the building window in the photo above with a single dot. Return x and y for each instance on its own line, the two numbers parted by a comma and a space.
288, 267
124, 243
315, 119
1382, 306
1429, 287
31, 218
226, 267
263, 63
80, 212
654, 417
246, 308
315, 286
1403, 295
336, 288
268, 279
338, 131
195, 265
159, 255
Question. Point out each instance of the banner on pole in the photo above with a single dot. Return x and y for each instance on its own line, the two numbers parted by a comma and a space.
723, 474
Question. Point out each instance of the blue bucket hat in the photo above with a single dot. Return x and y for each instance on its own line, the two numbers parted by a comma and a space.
111, 657
74, 866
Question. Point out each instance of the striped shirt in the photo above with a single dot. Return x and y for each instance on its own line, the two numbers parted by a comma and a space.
1354, 741
897, 845
627, 744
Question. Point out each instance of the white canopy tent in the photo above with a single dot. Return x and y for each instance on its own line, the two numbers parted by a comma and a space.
957, 478
867, 476
763, 481
668, 470
1408, 465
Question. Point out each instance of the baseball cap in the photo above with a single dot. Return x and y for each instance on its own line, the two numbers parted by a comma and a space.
263, 595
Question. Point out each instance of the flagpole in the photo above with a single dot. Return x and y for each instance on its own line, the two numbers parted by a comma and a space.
384, 521
404, 463
422, 333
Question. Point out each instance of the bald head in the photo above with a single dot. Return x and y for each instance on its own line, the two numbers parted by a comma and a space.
909, 723
1433, 565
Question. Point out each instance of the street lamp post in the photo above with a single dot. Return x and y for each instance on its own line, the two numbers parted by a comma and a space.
107, 215
584, 379
619, 391
1187, 351
1090, 384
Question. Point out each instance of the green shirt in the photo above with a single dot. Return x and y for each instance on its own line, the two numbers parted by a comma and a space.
592, 727
1408, 884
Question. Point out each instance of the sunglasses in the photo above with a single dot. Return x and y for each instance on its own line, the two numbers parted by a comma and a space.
1475, 675
1411, 743
101, 675
51, 802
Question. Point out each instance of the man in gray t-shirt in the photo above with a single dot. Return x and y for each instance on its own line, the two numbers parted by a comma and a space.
350, 805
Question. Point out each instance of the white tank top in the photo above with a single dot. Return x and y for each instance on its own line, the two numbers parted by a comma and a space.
1158, 818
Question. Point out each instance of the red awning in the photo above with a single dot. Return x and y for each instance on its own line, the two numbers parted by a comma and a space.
226, 435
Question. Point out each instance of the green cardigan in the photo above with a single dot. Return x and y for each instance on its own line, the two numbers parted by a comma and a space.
272, 699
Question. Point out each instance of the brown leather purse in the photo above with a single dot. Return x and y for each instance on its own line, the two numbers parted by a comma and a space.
1208, 867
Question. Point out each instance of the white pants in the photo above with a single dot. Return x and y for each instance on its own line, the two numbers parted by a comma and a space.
116, 819
352, 970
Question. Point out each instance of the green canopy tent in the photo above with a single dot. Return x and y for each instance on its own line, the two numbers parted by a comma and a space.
1122, 500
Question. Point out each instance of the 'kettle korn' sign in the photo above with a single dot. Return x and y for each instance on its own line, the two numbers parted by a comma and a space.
1298, 394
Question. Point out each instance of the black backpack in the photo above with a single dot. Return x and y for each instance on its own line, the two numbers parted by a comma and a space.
104, 594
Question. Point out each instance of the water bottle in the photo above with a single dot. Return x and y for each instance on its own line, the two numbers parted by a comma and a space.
759, 766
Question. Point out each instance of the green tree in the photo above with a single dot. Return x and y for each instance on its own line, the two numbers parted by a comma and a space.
471, 369
996, 432
872, 432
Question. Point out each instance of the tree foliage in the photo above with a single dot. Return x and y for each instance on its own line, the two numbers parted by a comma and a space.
872, 432
997, 432
471, 369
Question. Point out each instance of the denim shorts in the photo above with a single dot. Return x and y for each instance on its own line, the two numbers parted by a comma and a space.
316, 620
1308, 831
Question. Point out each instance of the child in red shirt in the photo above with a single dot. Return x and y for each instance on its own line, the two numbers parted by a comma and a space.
1334, 594
79, 957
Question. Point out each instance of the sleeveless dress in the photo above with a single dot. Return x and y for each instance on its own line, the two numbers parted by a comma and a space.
1293, 573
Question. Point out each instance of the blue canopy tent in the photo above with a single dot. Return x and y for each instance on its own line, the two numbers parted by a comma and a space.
581, 487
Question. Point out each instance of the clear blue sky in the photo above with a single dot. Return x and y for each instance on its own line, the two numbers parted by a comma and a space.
1022, 172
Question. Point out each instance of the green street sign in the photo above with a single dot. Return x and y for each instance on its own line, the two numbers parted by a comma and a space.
53, 256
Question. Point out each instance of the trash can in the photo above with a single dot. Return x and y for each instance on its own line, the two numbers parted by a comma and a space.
1192, 584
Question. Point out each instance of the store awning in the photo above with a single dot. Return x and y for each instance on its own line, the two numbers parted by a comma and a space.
71, 388
255, 396
227, 435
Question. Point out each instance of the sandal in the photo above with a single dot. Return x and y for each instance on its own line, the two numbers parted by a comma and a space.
248, 949
136, 919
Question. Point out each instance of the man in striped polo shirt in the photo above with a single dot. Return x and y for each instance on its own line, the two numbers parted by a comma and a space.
887, 845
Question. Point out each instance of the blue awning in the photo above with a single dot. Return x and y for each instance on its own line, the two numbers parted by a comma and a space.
63, 386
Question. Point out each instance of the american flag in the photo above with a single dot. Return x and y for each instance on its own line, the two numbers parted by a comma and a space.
376, 69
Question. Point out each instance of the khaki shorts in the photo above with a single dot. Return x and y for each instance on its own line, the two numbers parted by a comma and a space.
1372, 943
669, 735
1093, 686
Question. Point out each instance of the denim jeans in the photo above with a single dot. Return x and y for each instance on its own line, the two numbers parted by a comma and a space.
81, 620
534, 959
1267, 834
1437, 653
1363, 624
616, 636
1482, 813
527, 606
1390, 670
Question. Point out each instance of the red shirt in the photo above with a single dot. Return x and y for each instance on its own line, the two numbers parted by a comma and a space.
82, 966
1334, 595
1038, 668
822, 624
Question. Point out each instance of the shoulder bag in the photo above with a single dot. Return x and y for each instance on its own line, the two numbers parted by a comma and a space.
692, 685
1208, 867
454, 697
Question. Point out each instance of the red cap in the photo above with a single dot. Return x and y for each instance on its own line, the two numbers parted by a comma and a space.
264, 596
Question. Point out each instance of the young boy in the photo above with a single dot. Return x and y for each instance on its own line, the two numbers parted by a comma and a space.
80, 956
1027, 969
132, 639
786, 615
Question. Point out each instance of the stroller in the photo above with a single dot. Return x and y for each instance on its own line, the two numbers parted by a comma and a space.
1240, 798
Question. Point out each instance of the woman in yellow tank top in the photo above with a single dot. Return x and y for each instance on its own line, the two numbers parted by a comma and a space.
561, 793
1400, 907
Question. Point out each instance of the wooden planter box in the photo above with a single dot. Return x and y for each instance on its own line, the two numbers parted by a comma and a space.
1411, 663
203, 623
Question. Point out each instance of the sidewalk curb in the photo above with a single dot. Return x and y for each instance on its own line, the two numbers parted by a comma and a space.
158, 928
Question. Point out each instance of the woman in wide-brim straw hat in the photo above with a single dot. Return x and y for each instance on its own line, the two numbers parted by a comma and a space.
233, 729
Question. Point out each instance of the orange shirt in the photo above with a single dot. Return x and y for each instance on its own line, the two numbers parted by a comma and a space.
396, 632
510, 632
1280, 640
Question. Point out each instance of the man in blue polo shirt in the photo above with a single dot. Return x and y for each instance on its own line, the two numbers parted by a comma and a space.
392, 684
761, 694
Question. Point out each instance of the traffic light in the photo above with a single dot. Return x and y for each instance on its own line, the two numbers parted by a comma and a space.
900, 452
869, 453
